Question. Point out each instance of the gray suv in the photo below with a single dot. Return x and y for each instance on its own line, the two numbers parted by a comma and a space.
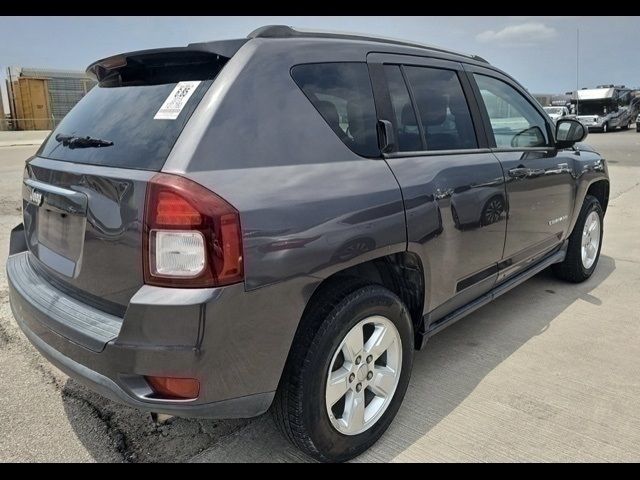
278, 222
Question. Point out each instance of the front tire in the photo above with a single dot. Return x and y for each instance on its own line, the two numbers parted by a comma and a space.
347, 372
585, 243
605, 127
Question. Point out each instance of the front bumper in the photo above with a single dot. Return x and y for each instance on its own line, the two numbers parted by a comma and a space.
226, 338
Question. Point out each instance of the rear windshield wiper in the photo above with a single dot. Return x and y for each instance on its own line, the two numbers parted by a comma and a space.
72, 141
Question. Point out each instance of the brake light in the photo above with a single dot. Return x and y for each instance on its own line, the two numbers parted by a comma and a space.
192, 237
174, 210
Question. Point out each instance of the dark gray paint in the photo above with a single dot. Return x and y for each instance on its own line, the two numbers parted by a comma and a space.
241, 407
309, 208
442, 194
99, 247
77, 321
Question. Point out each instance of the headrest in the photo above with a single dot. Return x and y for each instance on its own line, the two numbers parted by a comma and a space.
408, 116
458, 106
433, 107
355, 115
329, 111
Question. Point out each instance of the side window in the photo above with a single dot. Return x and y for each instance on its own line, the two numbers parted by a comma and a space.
408, 133
442, 108
515, 122
342, 93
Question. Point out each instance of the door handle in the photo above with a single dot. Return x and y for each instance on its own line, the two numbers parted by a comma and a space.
62, 199
519, 172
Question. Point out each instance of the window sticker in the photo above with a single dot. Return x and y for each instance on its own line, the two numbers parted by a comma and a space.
176, 101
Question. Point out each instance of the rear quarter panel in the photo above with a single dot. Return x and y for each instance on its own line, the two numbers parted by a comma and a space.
309, 206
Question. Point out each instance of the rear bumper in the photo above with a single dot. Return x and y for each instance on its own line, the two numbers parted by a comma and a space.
234, 342
243, 407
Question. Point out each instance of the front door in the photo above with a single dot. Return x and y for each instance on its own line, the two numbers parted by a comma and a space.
539, 181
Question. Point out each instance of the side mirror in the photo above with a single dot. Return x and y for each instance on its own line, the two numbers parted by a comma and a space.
529, 137
568, 132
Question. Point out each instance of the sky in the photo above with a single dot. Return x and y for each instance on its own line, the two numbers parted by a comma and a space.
538, 51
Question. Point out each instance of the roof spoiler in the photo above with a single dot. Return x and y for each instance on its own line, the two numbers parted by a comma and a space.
194, 52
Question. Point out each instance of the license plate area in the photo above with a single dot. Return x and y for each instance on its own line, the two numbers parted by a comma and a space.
55, 224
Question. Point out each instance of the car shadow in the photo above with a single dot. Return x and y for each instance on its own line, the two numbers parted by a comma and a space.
456, 360
444, 374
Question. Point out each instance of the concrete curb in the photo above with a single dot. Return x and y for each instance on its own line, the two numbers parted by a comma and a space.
6, 144
23, 138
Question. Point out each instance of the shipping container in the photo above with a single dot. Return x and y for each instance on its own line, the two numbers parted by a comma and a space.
33, 111
40, 98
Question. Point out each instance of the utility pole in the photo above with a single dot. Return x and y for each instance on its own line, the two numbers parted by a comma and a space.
577, 69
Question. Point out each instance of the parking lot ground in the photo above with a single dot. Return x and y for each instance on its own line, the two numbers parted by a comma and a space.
548, 372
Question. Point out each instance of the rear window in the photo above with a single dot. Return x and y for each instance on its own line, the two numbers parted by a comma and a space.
342, 93
127, 113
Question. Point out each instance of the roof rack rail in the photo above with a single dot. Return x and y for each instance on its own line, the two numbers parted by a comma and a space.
285, 31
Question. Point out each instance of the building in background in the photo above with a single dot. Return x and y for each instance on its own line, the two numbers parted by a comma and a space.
543, 99
40, 98
553, 99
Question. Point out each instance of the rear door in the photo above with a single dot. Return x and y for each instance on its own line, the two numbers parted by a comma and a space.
84, 191
539, 180
453, 186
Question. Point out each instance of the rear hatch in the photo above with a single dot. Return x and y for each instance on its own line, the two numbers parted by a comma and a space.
84, 191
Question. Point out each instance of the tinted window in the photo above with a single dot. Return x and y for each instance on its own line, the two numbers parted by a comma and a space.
123, 115
442, 108
515, 122
342, 93
408, 133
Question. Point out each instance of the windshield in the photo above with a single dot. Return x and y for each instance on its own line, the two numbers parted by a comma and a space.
593, 108
553, 110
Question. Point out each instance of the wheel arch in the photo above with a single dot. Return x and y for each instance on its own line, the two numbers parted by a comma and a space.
600, 190
597, 187
402, 273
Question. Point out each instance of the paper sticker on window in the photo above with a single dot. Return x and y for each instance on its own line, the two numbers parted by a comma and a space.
176, 101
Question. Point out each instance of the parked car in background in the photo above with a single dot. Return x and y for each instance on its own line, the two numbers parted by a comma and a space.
279, 221
556, 113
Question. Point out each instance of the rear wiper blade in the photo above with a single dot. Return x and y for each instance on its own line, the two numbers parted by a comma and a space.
72, 141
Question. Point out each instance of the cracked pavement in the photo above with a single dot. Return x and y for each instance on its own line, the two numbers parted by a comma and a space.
548, 372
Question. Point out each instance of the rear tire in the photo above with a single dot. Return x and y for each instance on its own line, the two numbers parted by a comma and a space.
578, 267
301, 408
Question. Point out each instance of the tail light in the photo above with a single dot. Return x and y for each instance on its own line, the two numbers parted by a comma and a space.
192, 237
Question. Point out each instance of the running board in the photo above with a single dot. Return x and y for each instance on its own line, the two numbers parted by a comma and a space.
453, 317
